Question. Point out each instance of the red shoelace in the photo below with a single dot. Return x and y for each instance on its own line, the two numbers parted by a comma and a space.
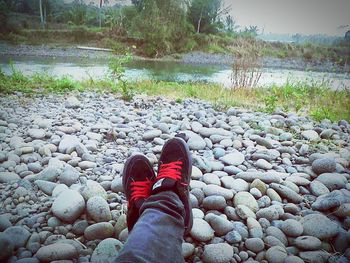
170, 170
140, 189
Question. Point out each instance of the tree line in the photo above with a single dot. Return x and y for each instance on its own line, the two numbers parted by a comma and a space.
160, 26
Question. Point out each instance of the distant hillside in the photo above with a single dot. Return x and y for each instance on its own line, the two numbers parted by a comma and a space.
105, 2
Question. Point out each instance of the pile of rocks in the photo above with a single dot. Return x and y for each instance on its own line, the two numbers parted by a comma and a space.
265, 188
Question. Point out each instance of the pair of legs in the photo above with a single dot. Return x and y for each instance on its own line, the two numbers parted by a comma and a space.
159, 210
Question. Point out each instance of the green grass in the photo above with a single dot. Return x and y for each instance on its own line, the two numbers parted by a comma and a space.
314, 98
304, 98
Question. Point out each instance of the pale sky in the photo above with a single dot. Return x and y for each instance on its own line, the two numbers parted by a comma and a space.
293, 16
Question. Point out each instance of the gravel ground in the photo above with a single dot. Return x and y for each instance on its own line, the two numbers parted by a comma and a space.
267, 62
265, 188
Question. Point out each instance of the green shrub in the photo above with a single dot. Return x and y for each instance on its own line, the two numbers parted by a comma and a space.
320, 114
63, 84
80, 33
214, 49
308, 55
270, 103
171, 28
190, 45
117, 72
118, 47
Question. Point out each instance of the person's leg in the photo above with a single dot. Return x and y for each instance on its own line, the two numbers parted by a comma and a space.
157, 235
158, 215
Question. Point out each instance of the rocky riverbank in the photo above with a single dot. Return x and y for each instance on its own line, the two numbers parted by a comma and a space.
267, 62
9, 51
265, 188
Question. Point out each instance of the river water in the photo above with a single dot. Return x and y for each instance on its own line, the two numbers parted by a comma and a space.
80, 69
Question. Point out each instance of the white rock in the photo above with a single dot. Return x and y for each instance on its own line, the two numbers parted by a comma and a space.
245, 198
276, 254
236, 184
68, 143
46, 186
187, 249
8, 177
254, 244
310, 135
244, 212
319, 226
234, 158
94, 136
72, 102
292, 228
307, 243
267, 177
69, 175
263, 164
332, 180
217, 253
57, 251
68, 206
100, 230
87, 165
58, 189
36, 133
317, 188
97, 207
221, 225
210, 178
196, 142
18, 235
106, 251
213, 189
92, 188
201, 230
196, 173
150, 135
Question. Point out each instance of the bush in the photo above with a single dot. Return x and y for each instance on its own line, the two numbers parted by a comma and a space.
14, 25
246, 72
118, 47
63, 84
171, 31
307, 55
190, 45
270, 103
117, 72
80, 33
202, 39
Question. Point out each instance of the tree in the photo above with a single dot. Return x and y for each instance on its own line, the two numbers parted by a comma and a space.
137, 3
230, 24
42, 17
4, 10
78, 12
205, 15
161, 24
251, 31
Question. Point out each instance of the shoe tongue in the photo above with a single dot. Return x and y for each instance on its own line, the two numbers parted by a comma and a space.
163, 184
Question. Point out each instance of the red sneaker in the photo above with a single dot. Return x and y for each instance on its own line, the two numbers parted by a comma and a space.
174, 171
138, 178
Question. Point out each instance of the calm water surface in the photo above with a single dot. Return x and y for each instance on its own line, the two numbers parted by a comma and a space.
80, 69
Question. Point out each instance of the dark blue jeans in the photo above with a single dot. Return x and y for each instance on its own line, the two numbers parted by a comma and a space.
157, 235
